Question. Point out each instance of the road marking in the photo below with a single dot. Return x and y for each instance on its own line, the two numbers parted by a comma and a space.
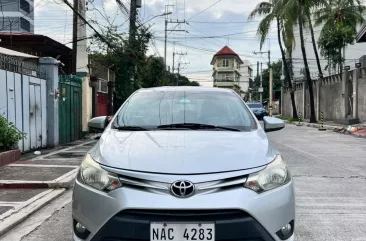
41, 165
24, 204
59, 151
75, 151
19, 214
10, 204
67, 175
37, 219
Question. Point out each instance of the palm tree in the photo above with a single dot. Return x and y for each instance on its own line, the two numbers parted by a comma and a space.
307, 70
298, 10
267, 9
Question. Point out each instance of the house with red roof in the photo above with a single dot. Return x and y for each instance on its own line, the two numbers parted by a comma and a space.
228, 71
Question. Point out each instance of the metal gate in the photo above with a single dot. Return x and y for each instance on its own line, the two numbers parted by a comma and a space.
102, 104
23, 102
70, 107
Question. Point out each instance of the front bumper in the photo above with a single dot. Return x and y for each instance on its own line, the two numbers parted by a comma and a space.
239, 213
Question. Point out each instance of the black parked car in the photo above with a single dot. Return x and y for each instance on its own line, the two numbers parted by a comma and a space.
258, 109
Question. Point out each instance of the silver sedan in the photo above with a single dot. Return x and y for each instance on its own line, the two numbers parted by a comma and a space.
184, 164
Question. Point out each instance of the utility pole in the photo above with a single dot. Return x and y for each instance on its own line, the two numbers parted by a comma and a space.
166, 30
270, 107
257, 75
132, 37
261, 84
74, 36
270, 85
179, 68
174, 53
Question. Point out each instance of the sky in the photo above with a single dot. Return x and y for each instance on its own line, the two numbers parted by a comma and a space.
210, 25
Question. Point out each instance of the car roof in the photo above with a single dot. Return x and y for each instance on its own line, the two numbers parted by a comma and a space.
186, 88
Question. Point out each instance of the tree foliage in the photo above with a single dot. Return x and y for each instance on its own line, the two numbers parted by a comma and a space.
333, 40
339, 19
133, 68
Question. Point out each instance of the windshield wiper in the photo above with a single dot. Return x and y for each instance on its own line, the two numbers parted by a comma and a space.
130, 128
195, 126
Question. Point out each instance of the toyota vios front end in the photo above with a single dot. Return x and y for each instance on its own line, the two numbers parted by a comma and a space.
184, 164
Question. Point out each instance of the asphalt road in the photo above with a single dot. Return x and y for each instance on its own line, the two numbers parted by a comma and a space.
329, 170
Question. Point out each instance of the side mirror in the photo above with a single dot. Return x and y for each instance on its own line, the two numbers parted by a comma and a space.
98, 123
273, 124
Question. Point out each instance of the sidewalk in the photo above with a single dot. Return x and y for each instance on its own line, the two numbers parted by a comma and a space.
29, 184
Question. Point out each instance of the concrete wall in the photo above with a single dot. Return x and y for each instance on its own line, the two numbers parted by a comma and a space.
330, 100
362, 96
332, 95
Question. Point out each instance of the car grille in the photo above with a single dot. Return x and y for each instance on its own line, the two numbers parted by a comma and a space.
181, 215
134, 224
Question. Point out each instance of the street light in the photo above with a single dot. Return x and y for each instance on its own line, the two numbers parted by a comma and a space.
160, 15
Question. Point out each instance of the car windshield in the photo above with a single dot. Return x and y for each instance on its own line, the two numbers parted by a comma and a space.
254, 105
152, 109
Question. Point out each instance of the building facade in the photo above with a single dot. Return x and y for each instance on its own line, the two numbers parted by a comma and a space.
17, 16
352, 55
226, 69
246, 77
230, 71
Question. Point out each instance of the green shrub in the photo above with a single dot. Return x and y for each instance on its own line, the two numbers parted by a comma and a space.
9, 135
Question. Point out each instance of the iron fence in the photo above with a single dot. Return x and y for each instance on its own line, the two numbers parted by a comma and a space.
13, 64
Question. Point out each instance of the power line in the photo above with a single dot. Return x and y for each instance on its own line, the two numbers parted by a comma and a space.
204, 10
204, 22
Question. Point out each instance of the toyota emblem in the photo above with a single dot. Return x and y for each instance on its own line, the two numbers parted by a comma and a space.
182, 189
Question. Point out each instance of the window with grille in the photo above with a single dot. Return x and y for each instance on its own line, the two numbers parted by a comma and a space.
25, 6
103, 86
24, 24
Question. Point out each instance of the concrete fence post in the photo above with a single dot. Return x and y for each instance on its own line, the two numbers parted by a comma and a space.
304, 88
281, 102
318, 84
344, 100
51, 69
356, 77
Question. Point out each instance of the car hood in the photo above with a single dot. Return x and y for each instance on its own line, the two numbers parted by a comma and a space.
183, 152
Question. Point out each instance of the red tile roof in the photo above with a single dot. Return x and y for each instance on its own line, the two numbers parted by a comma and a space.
225, 51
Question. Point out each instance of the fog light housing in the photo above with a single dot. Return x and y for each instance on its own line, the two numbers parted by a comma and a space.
286, 231
80, 230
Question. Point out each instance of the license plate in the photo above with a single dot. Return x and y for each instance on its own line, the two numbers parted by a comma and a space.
182, 232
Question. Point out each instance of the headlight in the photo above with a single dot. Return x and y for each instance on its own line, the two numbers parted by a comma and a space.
93, 175
273, 176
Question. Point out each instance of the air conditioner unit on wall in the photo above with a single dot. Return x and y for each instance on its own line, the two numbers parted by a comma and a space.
363, 61
138, 3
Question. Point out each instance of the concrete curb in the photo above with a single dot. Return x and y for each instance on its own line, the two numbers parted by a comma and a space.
12, 218
8, 157
65, 181
328, 127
